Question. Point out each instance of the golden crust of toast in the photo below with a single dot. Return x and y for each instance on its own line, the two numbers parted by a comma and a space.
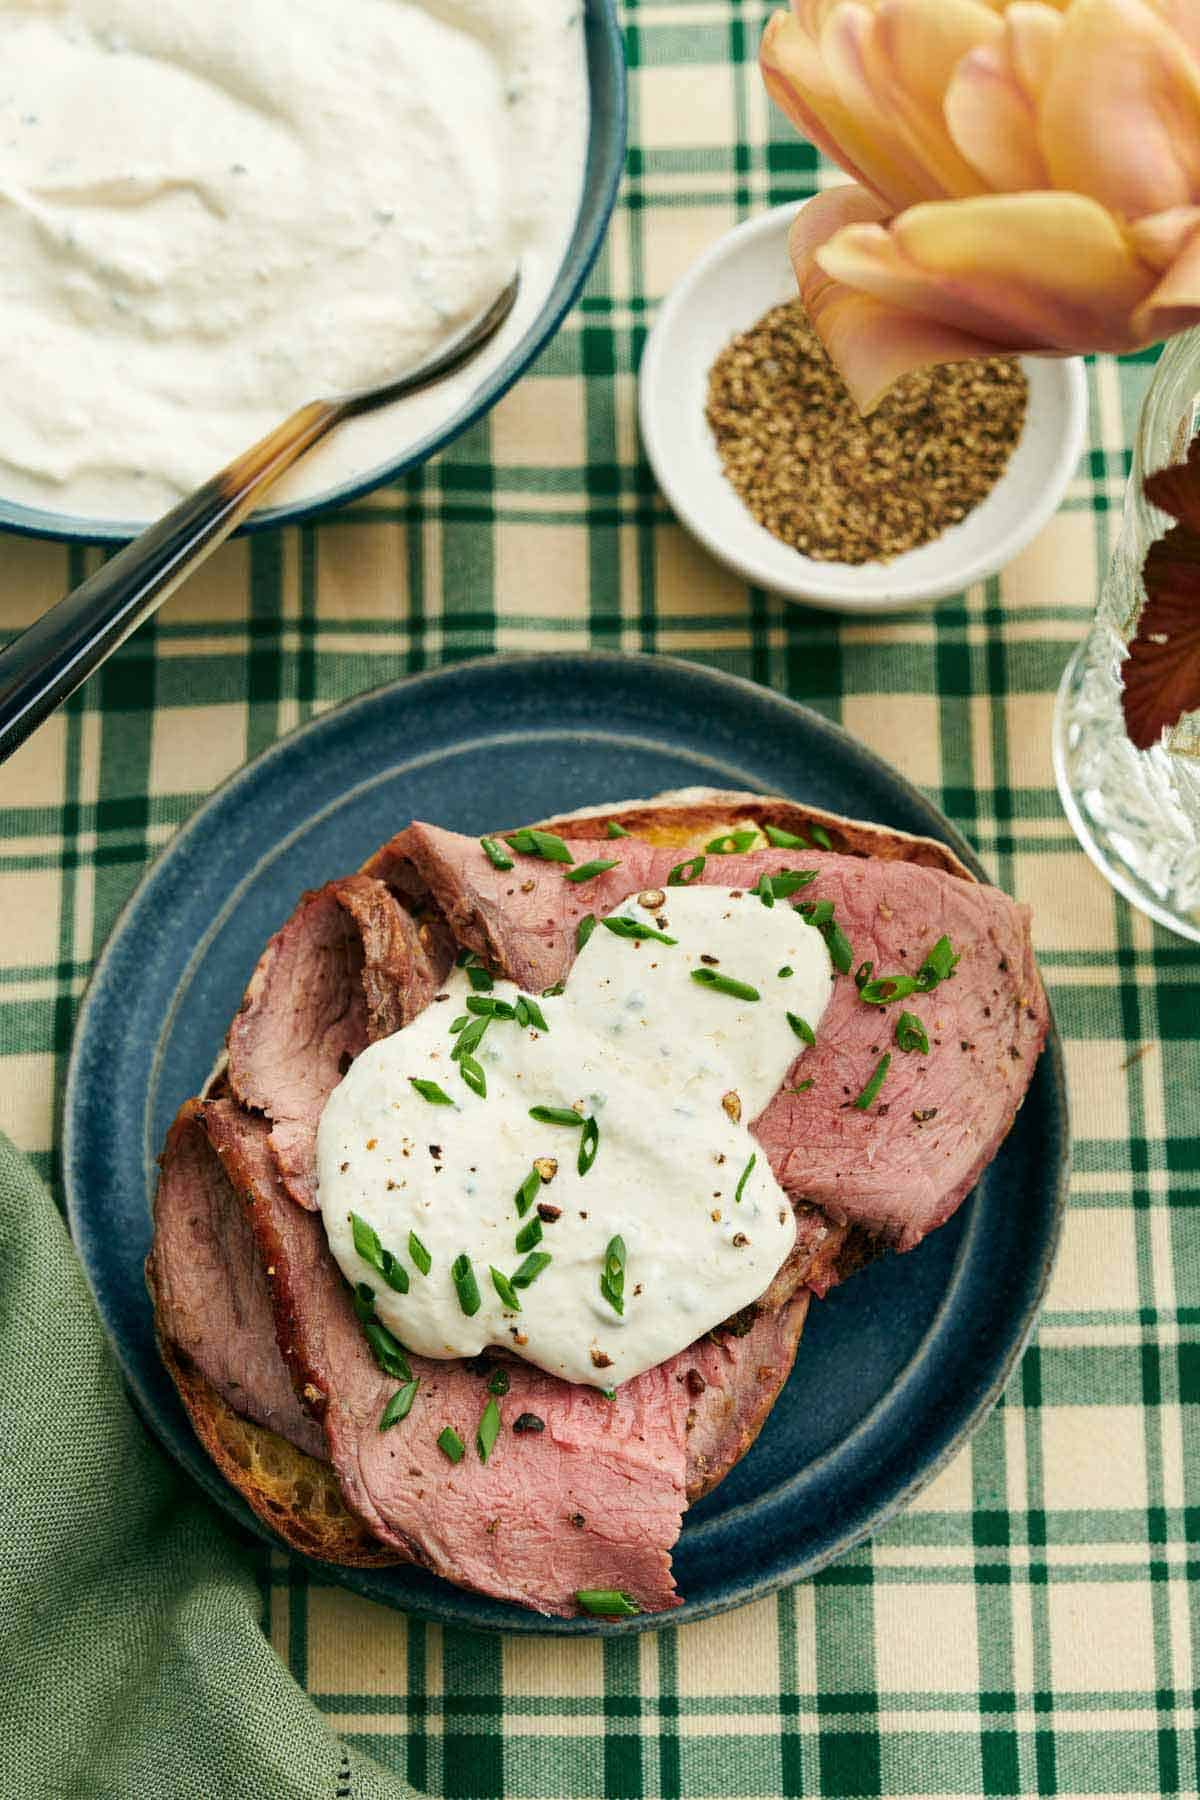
297, 1496
692, 820
290, 1491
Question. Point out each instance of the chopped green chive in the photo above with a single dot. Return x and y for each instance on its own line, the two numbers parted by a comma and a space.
588, 871
451, 1445
613, 830
479, 978
684, 873
529, 1236
463, 958
873, 1086
820, 837
802, 1028
786, 971
457, 1024
530, 1013
387, 1352
486, 1006
584, 930
472, 1073
589, 1143
863, 974
539, 843
400, 1405
498, 858
608, 1603
633, 928
819, 914
489, 1431
940, 963
732, 843
429, 1090
364, 1300
886, 988
785, 840
612, 1275
911, 1034
469, 1038
762, 890
743, 1179
499, 1382
788, 882
555, 1115
366, 1242
527, 1192
505, 1289
841, 951
420, 1255
549, 993
531, 1268
801, 1087
725, 984
466, 1286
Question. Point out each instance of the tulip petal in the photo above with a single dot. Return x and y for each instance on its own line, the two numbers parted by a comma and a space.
1162, 237
891, 66
1121, 113
798, 80
871, 342
1034, 30
1183, 17
1175, 303
1048, 272
993, 121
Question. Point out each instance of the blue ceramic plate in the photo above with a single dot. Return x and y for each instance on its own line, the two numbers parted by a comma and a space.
602, 171
894, 1369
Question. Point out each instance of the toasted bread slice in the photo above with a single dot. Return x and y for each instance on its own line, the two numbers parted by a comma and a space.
292, 1492
690, 818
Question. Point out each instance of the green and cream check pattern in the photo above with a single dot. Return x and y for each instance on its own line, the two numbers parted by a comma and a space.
1027, 1627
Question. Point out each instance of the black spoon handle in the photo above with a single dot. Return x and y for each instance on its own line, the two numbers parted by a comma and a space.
60, 650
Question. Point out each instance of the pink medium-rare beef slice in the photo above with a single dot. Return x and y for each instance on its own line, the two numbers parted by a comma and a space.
900, 1168
349, 966
592, 1497
521, 920
211, 1296
896, 1170
732, 1380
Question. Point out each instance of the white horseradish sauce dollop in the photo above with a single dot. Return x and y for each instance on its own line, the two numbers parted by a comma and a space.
211, 213
673, 1072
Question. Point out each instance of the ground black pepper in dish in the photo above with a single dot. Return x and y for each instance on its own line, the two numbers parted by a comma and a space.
843, 488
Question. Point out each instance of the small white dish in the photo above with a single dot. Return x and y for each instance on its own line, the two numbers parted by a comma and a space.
733, 284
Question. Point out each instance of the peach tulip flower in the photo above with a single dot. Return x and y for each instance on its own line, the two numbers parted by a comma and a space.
1028, 176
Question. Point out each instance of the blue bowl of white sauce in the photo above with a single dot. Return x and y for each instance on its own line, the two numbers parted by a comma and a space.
130, 337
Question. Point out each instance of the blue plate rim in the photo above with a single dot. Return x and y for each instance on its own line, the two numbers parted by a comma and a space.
448, 1607
609, 155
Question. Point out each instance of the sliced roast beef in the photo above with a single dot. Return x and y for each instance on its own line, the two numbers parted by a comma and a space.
210, 1287
588, 1493
897, 1169
349, 966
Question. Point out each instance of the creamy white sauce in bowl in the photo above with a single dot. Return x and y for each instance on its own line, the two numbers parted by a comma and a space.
659, 1076
211, 215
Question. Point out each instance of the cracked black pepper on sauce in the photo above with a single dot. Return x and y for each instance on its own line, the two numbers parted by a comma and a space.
841, 487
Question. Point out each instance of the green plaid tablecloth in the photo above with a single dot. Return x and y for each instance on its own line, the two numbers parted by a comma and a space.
1027, 1626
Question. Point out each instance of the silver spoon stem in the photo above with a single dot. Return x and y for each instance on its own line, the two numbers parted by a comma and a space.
47, 662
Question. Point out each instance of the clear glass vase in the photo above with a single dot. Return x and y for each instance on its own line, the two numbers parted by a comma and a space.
1136, 812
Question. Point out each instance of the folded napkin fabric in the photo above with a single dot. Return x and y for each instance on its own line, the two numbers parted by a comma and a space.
132, 1656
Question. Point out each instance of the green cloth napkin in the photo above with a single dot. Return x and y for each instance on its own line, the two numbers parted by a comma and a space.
132, 1657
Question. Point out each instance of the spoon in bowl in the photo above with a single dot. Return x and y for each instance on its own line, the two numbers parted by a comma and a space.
58, 652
